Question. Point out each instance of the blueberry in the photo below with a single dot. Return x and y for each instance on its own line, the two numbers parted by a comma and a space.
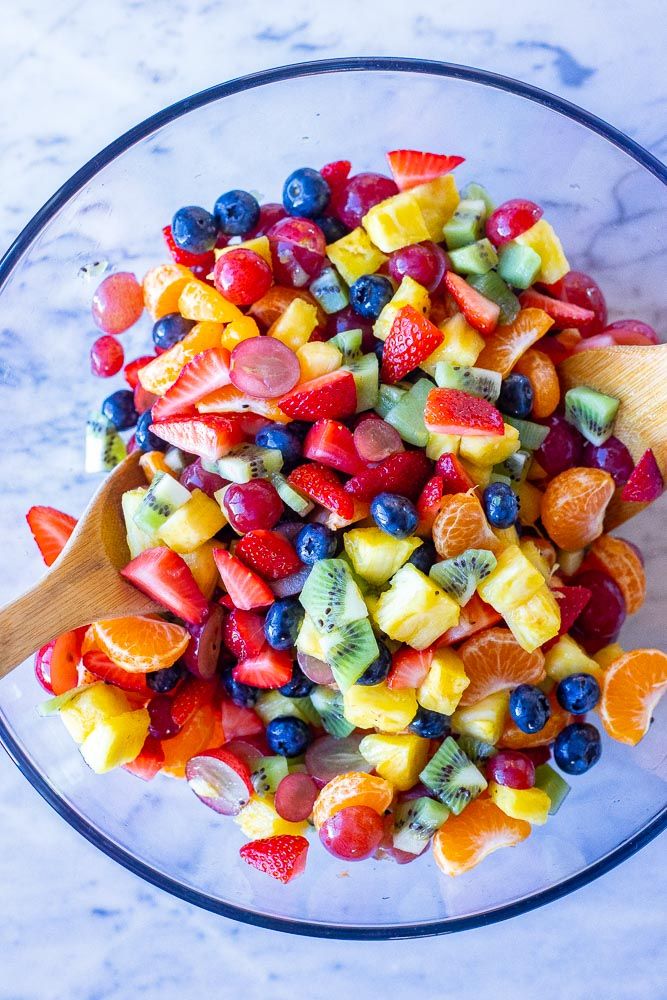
306, 193
166, 679
194, 229
431, 725
394, 514
144, 437
236, 213
244, 695
501, 505
283, 439
300, 428
578, 693
170, 329
369, 295
282, 623
529, 708
424, 557
119, 408
378, 348
314, 542
332, 228
288, 736
577, 748
378, 669
299, 686
516, 396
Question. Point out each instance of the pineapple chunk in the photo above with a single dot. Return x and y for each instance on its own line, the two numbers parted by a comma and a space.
440, 444
375, 555
567, 657
530, 503
480, 474
438, 200
462, 345
318, 358
533, 554
543, 240
354, 255
396, 222
259, 819
294, 327
507, 536
529, 804
536, 621
91, 706
115, 741
608, 654
512, 582
244, 328
192, 524
202, 566
379, 707
309, 640
137, 540
485, 720
444, 684
408, 293
398, 759
490, 449
414, 609
260, 245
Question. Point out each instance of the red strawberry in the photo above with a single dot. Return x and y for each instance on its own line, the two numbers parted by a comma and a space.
268, 553
282, 857
564, 314
454, 476
324, 487
428, 503
475, 616
332, 395
645, 482
238, 722
57, 663
243, 633
451, 411
208, 436
269, 669
131, 370
99, 664
571, 601
332, 444
192, 695
206, 372
51, 530
411, 339
409, 667
143, 399
404, 473
149, 762
246, 589
166, 577
336, 173
478, 310
410, 167
206, 261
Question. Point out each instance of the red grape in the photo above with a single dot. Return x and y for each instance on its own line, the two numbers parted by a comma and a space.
511, 768
298, 249
347, 319
327, 757
580, 289
269, 214
562, 447
353, 834
162, 723
203, 652
359, 194
612, 456
511, 219
315, 670
632, 326
252, 505
295, 797
600, 621
264, 367
106, 357
423, 262
242, 276
195, 477
118, 302
376, 439
131, 370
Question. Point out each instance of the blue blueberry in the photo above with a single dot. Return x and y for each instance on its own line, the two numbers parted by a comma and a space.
299, 686
578, 693
283, 439
516, 396
431, 725
529, 708
577, 748
282, 623
194, 229
306, 193
170, 329
244, 695
378, 669
369, 295
166, 679
394, 514
332, 228
501, 505
144, 437
424, 557
236, 213
314, 542
300, 428
288, 736
378, 348
119, 408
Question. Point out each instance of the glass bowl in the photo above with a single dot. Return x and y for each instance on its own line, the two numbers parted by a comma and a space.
608, 200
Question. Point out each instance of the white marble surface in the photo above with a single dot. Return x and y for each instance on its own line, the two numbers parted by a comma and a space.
74, 924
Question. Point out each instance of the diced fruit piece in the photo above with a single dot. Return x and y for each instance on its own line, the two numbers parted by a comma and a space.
543, 240
519, 265
204, 374
444, 684
198, 301
620, 560
375, 555
479, 311
271, 704
102, 667
80, 710
461, 345
329, 705
149, 760
265, 367
407, 416
529, 804
411, 339
51, 530
404, 474
232, 401
246, 589
195, 735
353, 833
450, 411
541, 372
139, 644
115, 741
317, 358
452, 777
210, 436
396, 222
409, 667
283, 857
564, 314
494, 661
161, 373
271, 668
268, 553
291, 497
192, 524
571, 602
553, 784
365, 372
376, 440
466, 224
514, 738
504, 348
244, 462
379, 707
492, 287
414, 610
259, 820
408, 293
428, 504
333, 395
163, 286
220, 780
645, 483
474, 381
410, 167
331, 597
437, 200
354, 255
592, 413
56, 663
243, 328
532, 436
268, 773
460, 525
566, 657
294, 327
574, 505
475, 616
460, 576
330, 291
465, 840
349, 650
415, 822
164, 498
475, 259
513, 581
536, 621
104, 448
485, 719
332, 444
164, 576
489, 449
632, 687
353, 788
397, 758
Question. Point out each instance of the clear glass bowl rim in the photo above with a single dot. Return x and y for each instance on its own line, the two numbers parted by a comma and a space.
12, 257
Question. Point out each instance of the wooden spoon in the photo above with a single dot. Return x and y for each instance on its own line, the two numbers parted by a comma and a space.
83, 584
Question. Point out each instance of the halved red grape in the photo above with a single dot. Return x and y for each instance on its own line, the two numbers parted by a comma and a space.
511, 219
614, 338
221, 780
326, 757
56, 663
352, 834
298, 250
511, 768
562, 447
425, 263
203, 652
162, 723
627, 327
118, 302
252, 505
196, 477
264, 367
315, 670
245, 751
612, 457
580, 289
376, 440
288, 586
242, 276
351, 202
295, 797
538, 755
106, 356
600, 621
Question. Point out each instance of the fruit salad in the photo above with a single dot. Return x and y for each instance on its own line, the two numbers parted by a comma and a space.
376, 520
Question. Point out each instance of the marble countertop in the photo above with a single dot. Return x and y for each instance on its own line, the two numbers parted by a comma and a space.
77, 926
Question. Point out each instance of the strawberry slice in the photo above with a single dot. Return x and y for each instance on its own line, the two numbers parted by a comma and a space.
454, 476
645, 482
282, 857
206, 372
332, 395
475, 616
409, 667
51, 530
478, 310
149, 762
564, 314
410, 167
202, 260
332, 444
99, 664
324, 487
404, 473
268, 553
571, 601
246, 589
190, 698
243, 633
336, 173
269, 669
131, 369
208, 436
411, 339
166, 577
238, 721
428, 503
451, 411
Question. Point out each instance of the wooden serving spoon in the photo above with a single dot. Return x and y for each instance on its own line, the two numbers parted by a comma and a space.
83, 584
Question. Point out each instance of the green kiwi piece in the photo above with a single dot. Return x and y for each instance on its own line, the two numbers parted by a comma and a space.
476, 258
407, 416
519, 265
388, 397
592, 413
366, 373
416, 821
331, 597
164, 496
515, 467
349, 650
248, 461
290, 497
478, 751
551, 782
330, 290
268, 774
460, 575
137, 539
348, 343
452, 777
498, 477
477, 381
329, 705
531, 435
465, 225
492, 287
272, 704
478, 192
104, 447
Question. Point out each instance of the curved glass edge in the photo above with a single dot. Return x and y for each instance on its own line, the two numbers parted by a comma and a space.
12, 255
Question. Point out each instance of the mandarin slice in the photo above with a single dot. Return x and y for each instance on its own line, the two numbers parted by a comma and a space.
632, 687
196, 735
541, 372
574, 505
461, 524
505, 346
355, 788
618, 558
163, 286
465, 840
139, 643
494, 661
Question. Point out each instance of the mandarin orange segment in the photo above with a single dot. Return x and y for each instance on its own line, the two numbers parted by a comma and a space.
161, 373
505, 346
199, 301
514, 738
632, 687
541, 372
461, 524
494, 661
618, 558
465, 840
163, 286
574, 505
195, 736
139, 643
355, 788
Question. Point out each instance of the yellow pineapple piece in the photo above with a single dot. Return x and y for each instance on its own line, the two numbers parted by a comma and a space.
91, 705
396, 758
536, 621
485, 720
530, 502
512, 582
260, 245
408, 293
379, 707
462, 345
199, 519
318, 358
259, 819
375, 555
115, 741
567, 657
543, 240
199, 301
202, 566
441, 444
568, 563
309, 640
438, 200
507, 536
161, 373
529, 804
243, 328
444, 684
354, 255
608, 654
414, 609
533, 555
490, 449
294, 327
480, 474
396, 222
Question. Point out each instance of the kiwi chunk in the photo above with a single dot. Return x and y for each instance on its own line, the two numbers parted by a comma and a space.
104, 447
273, 705
551, 782
492, 287
137, 540
330, 290
519, 265
329, 706
248, 461
476, 381
290, 497
465, 225
268, 774
348, 343
460, 575
164, 496
531, 435
478, 751
478, 192
407, 416
331, 597
416, 821
452, 777
592, 412
515, 467
388, 397
366, 374
476, 258
349, 650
